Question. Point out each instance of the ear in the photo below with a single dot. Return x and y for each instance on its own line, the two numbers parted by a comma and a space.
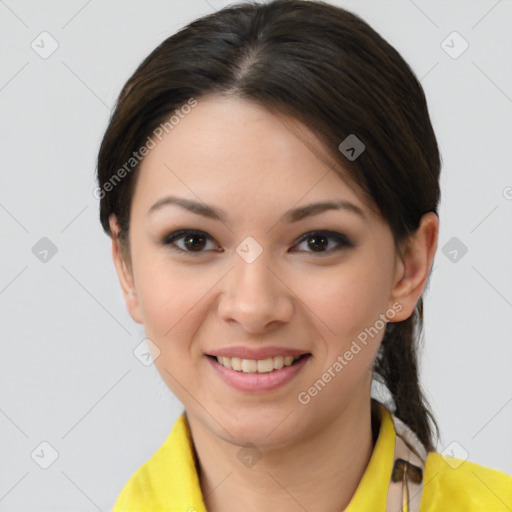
413, 266
124, 272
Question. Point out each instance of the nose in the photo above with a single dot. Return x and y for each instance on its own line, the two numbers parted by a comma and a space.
255, 296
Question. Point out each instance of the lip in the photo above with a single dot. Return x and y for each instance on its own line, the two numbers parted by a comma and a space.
257, 353
258, 382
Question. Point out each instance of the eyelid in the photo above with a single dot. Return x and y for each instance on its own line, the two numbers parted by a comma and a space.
342, 240
169, 240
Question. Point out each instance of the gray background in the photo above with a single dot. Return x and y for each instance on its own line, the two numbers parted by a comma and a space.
68, 374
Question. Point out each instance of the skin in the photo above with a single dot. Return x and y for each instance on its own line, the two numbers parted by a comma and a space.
255, 165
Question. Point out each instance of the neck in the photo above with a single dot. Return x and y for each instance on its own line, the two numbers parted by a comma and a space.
319, 472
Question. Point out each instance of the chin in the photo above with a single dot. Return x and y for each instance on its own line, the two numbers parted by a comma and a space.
264, 429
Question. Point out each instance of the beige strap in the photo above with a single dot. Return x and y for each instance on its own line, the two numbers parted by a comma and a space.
406, 483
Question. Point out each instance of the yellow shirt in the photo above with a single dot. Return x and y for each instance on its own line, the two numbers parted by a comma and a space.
168, 481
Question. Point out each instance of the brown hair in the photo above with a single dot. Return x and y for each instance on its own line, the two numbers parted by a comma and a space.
328, 69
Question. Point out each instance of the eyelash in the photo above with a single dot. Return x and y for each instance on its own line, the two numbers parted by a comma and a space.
342, 240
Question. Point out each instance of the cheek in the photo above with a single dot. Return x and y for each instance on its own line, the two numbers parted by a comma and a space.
348, 299
173, 301
169, 298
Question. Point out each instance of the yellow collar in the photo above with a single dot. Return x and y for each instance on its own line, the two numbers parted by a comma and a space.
169, 480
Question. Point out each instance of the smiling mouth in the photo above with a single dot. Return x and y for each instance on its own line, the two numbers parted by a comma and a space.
267, 365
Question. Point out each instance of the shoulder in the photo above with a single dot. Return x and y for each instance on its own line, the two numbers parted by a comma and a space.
136, 493
168, 480
454, 485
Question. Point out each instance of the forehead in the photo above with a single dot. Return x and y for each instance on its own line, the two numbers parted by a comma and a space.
236, 152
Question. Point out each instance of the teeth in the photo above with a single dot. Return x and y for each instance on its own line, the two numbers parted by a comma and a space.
265, 365
278, 362
249, 365
256, 366
236, 363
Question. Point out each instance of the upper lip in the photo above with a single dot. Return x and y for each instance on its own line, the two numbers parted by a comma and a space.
257, 353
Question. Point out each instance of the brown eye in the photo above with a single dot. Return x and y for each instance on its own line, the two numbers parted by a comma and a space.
190, 241
318, 242
194, 242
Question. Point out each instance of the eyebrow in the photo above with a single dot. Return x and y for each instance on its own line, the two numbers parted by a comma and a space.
290, 216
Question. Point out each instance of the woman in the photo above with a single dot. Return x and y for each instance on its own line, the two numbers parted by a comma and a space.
270, 181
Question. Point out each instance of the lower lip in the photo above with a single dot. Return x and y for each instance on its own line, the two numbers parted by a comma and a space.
258, 382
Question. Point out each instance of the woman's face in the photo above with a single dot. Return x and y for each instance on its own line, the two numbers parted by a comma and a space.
260, 283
